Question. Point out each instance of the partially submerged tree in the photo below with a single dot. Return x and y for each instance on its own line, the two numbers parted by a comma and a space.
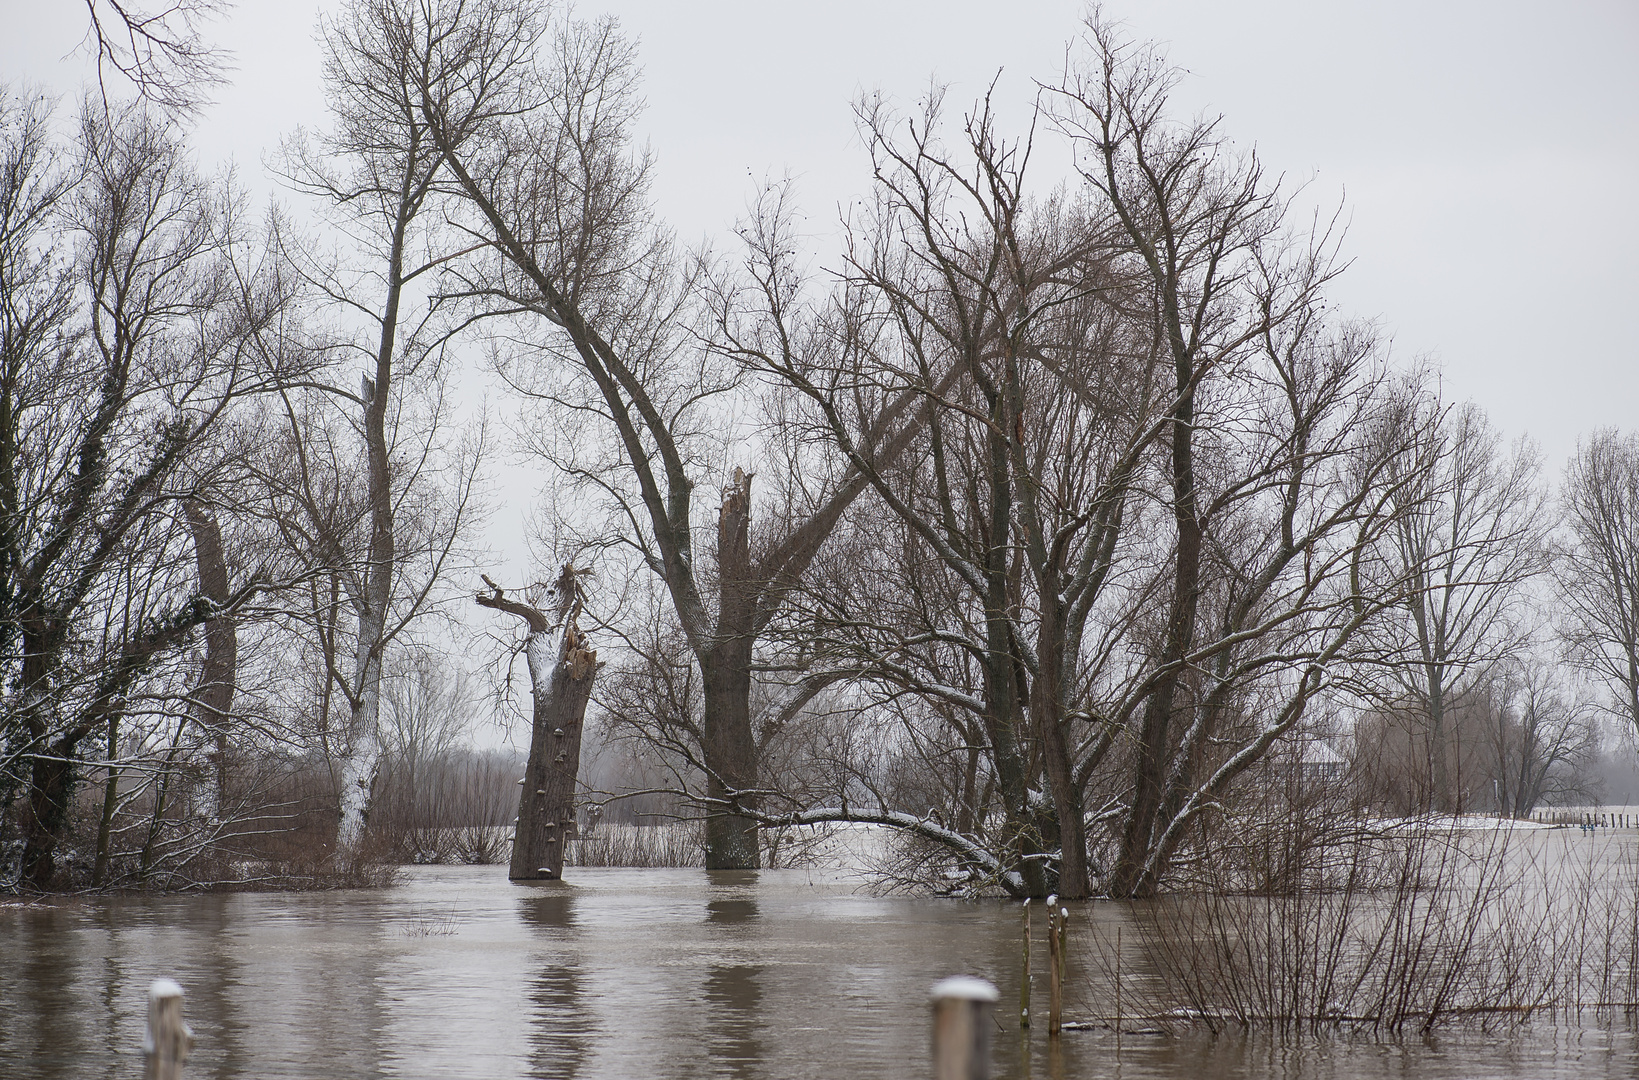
534, 122
130, 332
1469, 538
561, 672
382, 540
1006, 508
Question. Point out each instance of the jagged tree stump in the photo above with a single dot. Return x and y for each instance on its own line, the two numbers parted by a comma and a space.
561, 670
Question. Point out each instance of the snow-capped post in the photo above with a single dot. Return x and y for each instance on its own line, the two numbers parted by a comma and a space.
166, 1042
1055, 966
1024, 978
961, 1028
561, 670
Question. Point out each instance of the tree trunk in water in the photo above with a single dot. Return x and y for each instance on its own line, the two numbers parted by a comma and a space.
1129, 878
561, 670
51, 783
730, 746
218, 675
1075, 883
731, 758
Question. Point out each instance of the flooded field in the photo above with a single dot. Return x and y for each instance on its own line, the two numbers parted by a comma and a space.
630, 974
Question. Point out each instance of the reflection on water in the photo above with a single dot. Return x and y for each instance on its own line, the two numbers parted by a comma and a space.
732, 991
618, 974
557, 1022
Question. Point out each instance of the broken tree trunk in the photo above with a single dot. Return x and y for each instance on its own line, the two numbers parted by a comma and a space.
561, 670
728, 744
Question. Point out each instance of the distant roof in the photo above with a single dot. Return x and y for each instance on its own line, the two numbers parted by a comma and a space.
1316, 752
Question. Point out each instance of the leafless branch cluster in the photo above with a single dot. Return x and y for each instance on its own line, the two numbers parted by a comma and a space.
1053, 530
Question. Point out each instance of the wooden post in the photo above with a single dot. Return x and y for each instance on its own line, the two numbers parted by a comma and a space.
167, 1041
1055, 966
1024, 979
961, 1028
1118, 995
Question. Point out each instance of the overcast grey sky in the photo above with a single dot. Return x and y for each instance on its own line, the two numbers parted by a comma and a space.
1488, 151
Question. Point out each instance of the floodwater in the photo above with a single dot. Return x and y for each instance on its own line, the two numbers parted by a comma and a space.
623, 974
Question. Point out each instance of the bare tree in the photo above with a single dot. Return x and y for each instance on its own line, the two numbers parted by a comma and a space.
1136, 404
130, 333
1039, 405
561, 673
534, 123
1543, 741
1470, 537
1599, 568
386, 542
163, 54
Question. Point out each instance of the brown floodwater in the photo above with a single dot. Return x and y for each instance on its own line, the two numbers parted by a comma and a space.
625, 974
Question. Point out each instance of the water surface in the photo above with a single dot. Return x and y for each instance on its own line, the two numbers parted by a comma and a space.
620, 974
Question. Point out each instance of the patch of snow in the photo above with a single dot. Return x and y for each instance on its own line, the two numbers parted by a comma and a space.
964, 988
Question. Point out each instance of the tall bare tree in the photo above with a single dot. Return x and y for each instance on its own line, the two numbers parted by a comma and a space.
376, 169
1470, 537
130, 334
561, 673
1152, 351
534, 122
1599, 568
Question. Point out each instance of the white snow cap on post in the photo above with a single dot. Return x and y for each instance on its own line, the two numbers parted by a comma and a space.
158, 991
964, 988
167, 1040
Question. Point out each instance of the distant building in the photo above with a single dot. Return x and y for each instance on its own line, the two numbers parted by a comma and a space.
1317, 762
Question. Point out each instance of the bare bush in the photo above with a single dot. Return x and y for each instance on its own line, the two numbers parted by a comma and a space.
673, 844
1427, 927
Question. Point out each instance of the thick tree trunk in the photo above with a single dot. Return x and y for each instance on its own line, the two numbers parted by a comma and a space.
561, 670
50, 780
45, 813
731, 758
218, 675
730, 746
362, 753
1075, 882
1129, 878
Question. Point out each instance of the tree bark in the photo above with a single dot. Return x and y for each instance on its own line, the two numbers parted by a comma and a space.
218, 675
561, 672
729, 746
1128, 877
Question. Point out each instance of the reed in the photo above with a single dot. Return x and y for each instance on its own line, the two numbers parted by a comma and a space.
673, 844
1410, 927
